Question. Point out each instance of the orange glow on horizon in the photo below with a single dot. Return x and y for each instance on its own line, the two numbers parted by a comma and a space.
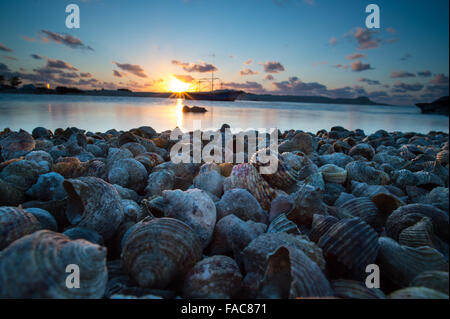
177, 86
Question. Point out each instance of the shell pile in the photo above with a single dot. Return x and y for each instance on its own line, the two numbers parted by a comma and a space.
139, 225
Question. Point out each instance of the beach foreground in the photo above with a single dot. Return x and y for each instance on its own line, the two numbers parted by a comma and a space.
110, 215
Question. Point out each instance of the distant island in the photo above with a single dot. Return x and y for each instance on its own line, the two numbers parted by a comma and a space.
440, 106
239, 95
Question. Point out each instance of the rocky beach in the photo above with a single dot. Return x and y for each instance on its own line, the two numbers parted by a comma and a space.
139, 225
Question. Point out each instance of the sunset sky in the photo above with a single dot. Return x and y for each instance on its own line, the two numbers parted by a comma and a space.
295, 47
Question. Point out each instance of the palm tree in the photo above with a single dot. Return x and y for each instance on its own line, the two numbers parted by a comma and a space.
15, 81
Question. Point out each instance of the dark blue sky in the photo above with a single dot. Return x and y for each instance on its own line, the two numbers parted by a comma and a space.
302, 47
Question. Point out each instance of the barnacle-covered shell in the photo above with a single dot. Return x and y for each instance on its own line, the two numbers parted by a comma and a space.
437, 280
216, 277
16, 144
14, 224
209, 179
419, 234
41, 272
417, 293
363, 208
291, 274
22, 174
158, 182
48, 187
160, 250
352, 242
359, 171
246, 176
333, 174
401, 264
320, 226
94, 204
352, 289
409, 215
242, 204
284, 176
195, 208
300, 142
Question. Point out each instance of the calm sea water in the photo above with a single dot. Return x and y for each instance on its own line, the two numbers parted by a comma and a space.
99, 114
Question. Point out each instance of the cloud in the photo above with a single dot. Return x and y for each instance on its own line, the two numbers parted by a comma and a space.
391, 30
341, 66
333, 41
28, 39
132, 68
85, 75
424, 74
365, 38
248, 86
4, 68
245, 72
248, 62
273, 67
185, 78
402, 74
4, 48
65, 39
358, 66
117, 74
36, 57
196, 67
401, 87
406, 57
10, 58
295, 86
369, 82
59, 64
355, 56
269, 77
439, 79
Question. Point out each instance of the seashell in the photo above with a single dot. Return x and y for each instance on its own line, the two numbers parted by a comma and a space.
338, 159
343, 198
95, 150
437, 280
281, 224
284, 177
209, 179
48, 187
145, 131
332, 193
41, 273
256, 254
159, 251
291, 274
386, 203
46, 219
363, 208
315, 180
242, 204
366, 190
16, 223
195, 208
352, 289
232, 235
247, 177
184, 173
409, 215
428, 180
417, 293
293, 160
307, 169
16, 145
132, 210
300, 142
22, 174
438, 197
149, 160
401, 264
10, 195
57, 208
216, 277
93, 204
126, 193
352, 243
84, 233
95, 168
320, 225
135, 148
396, 162
442, 157
306, 202
333, 174
226, 169
158, 182
69, 167
419, 234
360, 172
128, 173
42, 158
117, 154
41, 132
362, 149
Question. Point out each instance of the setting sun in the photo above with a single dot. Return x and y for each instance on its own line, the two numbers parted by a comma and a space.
178, 86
